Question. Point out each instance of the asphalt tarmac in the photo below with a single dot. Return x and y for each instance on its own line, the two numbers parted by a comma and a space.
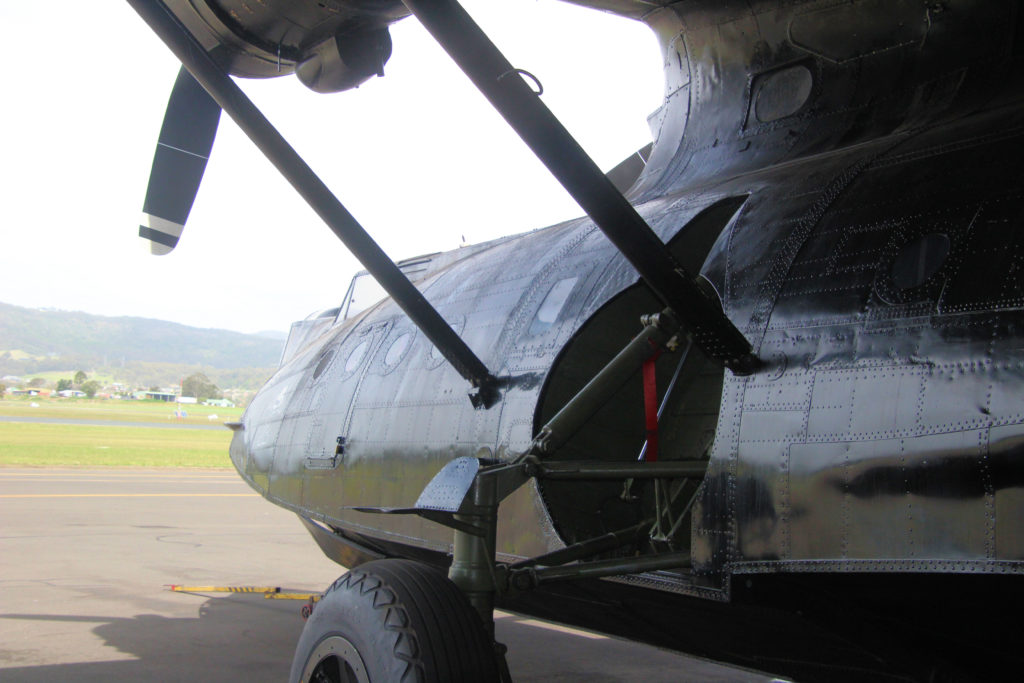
86, 557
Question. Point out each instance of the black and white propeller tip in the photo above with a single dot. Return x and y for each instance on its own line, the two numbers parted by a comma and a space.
182, 150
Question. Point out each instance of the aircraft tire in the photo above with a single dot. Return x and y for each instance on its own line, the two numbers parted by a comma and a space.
394, 620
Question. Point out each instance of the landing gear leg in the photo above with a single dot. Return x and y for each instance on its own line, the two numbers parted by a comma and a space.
474, 561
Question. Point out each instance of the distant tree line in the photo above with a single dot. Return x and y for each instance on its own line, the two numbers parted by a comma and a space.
141, 373
199, 385
81, 382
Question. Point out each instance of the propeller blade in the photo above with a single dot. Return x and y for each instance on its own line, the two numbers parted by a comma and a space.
186, 137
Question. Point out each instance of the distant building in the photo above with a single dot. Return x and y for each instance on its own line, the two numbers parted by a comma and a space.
71, 393
219, 402
31, 391
169, 397
187, 399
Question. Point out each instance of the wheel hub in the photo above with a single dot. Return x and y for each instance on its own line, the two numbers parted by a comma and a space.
335, 660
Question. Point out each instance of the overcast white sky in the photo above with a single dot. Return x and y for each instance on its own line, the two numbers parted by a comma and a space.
418, 157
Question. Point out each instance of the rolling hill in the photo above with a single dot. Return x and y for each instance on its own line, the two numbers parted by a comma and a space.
33, 340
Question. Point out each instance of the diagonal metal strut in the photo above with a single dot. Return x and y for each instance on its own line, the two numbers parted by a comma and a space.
500, 83
256, 126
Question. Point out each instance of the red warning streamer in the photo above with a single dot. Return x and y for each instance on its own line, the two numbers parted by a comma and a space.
651, 406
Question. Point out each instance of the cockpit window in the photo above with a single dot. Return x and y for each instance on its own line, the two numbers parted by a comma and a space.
365, 291
362, 293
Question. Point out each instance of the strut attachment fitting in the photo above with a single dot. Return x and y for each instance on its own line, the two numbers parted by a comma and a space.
659, 333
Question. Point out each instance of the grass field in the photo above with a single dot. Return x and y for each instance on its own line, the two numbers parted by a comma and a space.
41, 445
113, 409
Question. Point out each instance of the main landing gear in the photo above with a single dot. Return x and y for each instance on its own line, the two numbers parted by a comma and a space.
394, 620
397, 620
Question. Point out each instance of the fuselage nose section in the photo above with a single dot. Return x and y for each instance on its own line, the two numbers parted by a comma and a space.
254, 444
238, 450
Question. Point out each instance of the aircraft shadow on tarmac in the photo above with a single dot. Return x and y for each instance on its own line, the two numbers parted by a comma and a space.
235, 637
246, 637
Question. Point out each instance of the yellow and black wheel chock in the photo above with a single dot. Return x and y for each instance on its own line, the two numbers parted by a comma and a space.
224, 589
269, 593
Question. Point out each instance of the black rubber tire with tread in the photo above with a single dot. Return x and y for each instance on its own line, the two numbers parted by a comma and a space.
407, 621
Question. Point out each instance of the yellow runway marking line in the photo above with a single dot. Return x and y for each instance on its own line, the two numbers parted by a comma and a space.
128, 495
228, 474
193, 482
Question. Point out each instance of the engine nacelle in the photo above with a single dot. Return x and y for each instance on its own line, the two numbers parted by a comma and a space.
331, 46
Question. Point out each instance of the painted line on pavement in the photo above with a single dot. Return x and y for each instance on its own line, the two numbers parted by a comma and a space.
98, 480
129, 495
156, 475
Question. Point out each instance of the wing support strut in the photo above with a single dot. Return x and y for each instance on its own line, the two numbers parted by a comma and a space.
522, 109
255, 125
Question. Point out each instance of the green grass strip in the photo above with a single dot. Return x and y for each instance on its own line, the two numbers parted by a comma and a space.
46, 445
117, 410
